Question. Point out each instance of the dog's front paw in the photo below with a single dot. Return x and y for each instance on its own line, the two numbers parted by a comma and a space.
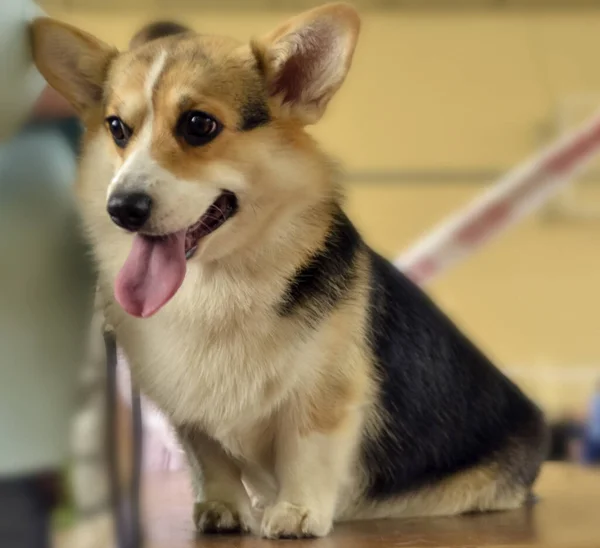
216, 517
285, 520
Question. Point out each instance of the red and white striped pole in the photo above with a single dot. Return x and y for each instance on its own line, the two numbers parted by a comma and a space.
514, 196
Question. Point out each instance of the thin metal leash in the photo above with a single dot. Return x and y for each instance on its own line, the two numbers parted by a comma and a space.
125, 505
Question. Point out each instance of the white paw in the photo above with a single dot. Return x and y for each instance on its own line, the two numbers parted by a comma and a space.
285, 520
216, 517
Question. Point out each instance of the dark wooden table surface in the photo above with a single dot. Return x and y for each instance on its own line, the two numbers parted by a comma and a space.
566, 516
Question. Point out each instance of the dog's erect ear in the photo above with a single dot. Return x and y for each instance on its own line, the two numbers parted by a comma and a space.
306, 59
72, 61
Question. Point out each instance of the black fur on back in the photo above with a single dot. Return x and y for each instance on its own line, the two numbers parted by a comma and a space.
326, 279
448, 408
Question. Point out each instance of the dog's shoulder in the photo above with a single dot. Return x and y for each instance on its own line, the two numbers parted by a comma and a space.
327, 277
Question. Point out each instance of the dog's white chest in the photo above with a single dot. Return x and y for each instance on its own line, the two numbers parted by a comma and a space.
189, 376
222, 376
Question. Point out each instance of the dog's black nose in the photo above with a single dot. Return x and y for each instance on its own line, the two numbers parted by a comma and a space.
130, 210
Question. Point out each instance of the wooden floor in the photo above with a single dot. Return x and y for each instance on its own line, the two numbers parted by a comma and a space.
566, 516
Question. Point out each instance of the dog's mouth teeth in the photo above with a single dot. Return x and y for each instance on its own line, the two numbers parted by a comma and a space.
222, 209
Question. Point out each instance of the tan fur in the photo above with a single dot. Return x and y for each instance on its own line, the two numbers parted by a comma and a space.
271, 412
480, 489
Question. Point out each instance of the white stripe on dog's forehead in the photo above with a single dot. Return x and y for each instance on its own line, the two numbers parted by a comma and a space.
139, 160
153, 75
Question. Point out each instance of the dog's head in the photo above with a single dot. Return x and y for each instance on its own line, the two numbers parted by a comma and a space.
205, 135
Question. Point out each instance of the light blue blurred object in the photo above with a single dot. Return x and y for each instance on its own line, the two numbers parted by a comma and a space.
594, 417
46, 289
20, 82
44, 274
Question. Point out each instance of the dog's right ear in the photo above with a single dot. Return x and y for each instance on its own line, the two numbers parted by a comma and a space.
306, 59
72, 61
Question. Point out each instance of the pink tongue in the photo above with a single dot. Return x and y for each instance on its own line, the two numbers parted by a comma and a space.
152, 274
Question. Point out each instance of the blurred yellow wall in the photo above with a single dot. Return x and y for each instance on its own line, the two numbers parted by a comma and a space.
462, 91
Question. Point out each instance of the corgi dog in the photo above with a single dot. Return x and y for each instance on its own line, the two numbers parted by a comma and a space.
309, 381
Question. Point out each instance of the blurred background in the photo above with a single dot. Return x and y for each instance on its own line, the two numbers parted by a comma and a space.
444, 96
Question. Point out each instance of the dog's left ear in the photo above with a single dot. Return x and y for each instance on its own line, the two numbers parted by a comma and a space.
73, 62
306, 60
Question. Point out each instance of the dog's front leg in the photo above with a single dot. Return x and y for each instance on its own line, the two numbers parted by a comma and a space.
222, 504
310, 467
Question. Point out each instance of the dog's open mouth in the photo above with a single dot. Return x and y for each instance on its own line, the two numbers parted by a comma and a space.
156, 265
224, 207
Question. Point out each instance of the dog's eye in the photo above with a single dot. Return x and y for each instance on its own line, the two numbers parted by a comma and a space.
197, 128
119, 130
